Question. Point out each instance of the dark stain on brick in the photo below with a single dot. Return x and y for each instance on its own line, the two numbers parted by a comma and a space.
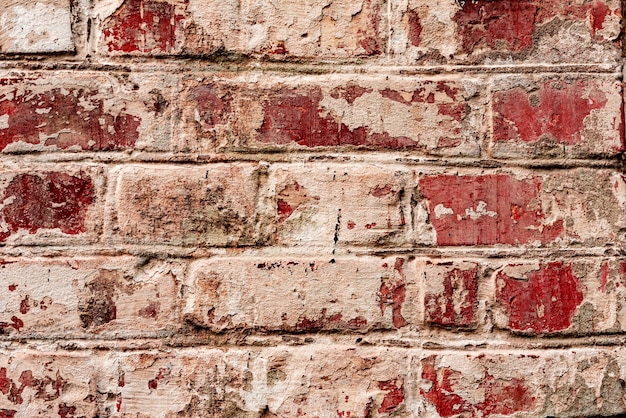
415, 28
25, 305
544, 301
214, 105
332, 322
99, 308
66, 118
150, 311
47, 201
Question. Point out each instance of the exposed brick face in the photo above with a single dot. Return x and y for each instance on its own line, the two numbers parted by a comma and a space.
328, 208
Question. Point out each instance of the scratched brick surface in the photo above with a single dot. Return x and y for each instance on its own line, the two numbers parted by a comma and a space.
90, 112
41, 26
214, 205
302, 294
288, 28
423, 115
546, 116
485, 31
109, 297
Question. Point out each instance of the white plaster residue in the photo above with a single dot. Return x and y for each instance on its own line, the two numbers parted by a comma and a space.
441, 210
481, 210
4, 122
36, 27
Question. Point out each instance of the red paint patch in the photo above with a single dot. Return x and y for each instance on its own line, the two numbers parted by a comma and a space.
150, 311
53, 200
394, 396
25, 305
349, 93
415, 28
557, 110
351, 225
382, 191
604, 276
325, 322
294, 116
393, 289
543, 302
65, 118
457, 305
510, 25
164, 373
12, 287
214, 107
486, 210
503, 397
66, 411
7, 413
368, 38
290, 198
144, 26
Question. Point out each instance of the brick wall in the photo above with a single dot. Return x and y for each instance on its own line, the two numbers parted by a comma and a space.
320, 208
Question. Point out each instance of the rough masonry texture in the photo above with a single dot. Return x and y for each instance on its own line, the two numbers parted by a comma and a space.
323, 208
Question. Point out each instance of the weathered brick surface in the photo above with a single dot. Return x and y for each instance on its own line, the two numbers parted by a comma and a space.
340, 28
428, 115
89, 296
94, 112
51, 204
556, 116
333, 209
302, 294
485, 31
208, 206
41, 26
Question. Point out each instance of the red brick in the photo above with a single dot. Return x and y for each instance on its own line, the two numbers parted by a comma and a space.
74, 112
487, 32
43, 206
338, 204
302, 294
430, 116
204, 27
580, 297
551, 116
451, 293
532, 208
207, 206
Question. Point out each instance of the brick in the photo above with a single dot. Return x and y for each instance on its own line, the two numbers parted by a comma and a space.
451, 296
557, 116
338, 204
76, 297
340, 28
92, 112
39, 27
580, 297
536, 208
338, 381
488, 32
302, 294
528, 384
431, 116
196, 206
57, 204
47, 384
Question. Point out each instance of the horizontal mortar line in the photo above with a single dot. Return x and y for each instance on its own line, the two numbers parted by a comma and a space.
165, 64
310, 251
287, 157
365, 341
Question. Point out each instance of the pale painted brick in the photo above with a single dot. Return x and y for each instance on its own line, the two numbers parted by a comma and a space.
285, 29
338, 204
36, 27
214, 205
440, 116
550, 116
488, 32
75, 297
302, 294
46, 111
